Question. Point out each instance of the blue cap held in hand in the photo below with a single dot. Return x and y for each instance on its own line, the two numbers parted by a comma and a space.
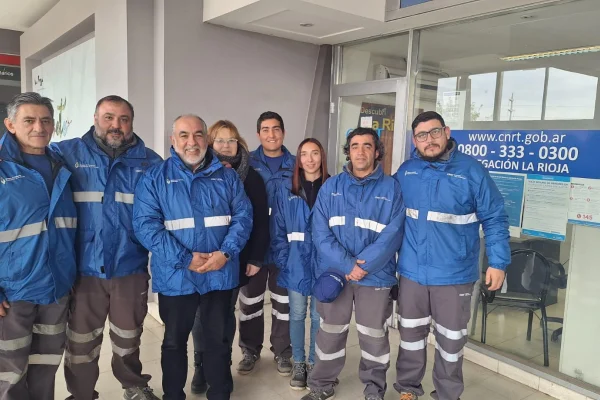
329, 286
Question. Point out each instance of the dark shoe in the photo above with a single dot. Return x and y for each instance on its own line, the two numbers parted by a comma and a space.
95, 396
408, 396
435, 396
317, 394
373, 397
199, 384
247, 364
299, 376
284, 365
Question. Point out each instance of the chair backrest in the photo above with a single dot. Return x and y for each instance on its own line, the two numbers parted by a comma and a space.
528, 273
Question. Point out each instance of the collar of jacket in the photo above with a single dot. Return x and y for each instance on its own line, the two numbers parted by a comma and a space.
138, 150
10, 150
214, 164
376, 174
288, 158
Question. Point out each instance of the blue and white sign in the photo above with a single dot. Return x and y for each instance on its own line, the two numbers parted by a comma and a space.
511, 187
560, 153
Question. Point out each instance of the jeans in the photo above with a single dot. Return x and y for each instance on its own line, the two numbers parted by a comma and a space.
298, 305
178, 314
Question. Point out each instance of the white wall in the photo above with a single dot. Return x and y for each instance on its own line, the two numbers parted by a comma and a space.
221, 73
579, 352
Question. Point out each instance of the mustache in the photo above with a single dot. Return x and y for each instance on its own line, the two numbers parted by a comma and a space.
191, 148
432, 145
114, 131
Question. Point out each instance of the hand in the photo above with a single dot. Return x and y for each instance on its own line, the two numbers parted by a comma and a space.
226, 164
251, 270
494, 278
357, 272
3, 307
198, 260
216, 261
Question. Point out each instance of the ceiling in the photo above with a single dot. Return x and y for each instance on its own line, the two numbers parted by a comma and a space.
18, 15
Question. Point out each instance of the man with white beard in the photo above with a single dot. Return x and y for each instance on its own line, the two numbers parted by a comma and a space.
193, 214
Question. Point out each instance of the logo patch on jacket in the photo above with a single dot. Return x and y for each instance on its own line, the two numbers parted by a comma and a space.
216, 179
82, 165
456, 176
335, 194
4, 181
169, 181
382, 198
410, 173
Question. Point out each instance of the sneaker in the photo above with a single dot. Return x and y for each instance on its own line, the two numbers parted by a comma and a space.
434, 395
319, 394
408, 396
199, 384
284, 365
299, 376
247, 364
309, 370
139, 393
373, 397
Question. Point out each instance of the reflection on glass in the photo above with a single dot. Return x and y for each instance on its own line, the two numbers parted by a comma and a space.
379, 59
483, 93
370, 111
570, 95
522, 95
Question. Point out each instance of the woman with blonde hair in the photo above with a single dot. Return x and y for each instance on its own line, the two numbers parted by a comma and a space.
231, 149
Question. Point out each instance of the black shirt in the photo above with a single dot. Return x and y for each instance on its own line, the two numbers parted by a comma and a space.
310, 189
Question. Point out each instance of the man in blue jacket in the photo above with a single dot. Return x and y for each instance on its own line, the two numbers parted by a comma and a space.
275, 164
448, 197
193, 214
37, 264
112, 265
357, 229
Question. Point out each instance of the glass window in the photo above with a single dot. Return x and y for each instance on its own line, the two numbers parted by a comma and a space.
374, 60
520, 92
571, 95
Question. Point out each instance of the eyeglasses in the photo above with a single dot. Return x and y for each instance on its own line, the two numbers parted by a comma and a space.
435, 133
230, 141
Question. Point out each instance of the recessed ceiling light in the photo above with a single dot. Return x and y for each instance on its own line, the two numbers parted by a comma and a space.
307, 25
553, 53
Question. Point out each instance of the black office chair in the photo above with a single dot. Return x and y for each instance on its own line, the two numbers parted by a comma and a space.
528, 280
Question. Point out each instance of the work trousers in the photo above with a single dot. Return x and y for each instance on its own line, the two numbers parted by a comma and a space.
124, 301
198, 336
32, 342
178, 314
373, 308
252, 320
449, 309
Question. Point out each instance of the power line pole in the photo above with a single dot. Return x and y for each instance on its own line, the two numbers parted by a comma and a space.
511, 109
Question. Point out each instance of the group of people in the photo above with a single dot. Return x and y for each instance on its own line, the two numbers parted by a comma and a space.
78, 219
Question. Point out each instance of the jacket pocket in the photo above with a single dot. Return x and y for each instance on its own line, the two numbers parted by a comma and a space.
14, 270
462, 250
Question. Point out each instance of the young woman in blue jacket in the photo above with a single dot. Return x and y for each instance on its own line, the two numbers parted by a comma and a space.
294, 251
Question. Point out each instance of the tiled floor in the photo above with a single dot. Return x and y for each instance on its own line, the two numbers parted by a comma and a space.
265, 384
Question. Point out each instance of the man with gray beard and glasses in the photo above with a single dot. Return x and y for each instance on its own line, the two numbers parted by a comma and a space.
106, 164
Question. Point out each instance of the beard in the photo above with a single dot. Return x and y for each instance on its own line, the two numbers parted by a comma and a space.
192, 160
114, 143
436, 157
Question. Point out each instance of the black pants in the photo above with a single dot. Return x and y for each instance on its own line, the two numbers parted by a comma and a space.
199, 341
178, 314
252, 319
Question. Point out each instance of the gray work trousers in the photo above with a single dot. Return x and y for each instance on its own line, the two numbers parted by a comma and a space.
449, 309
125, 301
32, 341
373, 308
